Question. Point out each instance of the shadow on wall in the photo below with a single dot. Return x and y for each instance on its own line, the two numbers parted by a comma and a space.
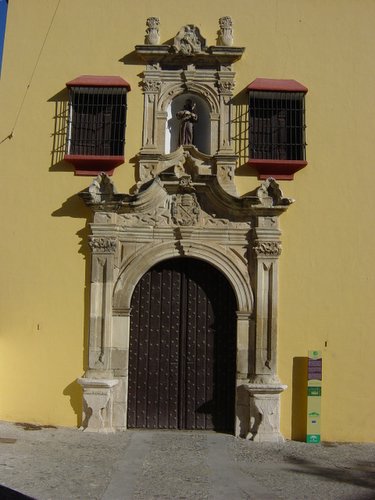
240, 133
299, 399
75, 208
59, 134
74, 391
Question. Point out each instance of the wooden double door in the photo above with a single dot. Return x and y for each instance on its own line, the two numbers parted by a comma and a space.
182, 355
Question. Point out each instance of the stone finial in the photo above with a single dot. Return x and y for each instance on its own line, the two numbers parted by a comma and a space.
152, 31
226, 31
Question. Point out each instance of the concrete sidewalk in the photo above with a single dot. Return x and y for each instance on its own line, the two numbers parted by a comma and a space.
59, 463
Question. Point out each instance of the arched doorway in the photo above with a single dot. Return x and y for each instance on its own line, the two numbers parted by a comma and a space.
182, 353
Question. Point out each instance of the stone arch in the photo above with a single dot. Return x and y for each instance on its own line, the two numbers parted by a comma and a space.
169, 92
232, 267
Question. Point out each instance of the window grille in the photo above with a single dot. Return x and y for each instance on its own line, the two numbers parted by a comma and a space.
97, 120
277, 125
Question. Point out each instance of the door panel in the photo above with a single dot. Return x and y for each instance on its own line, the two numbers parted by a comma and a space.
182, 348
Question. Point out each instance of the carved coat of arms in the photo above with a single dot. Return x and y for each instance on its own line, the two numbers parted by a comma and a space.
185, 209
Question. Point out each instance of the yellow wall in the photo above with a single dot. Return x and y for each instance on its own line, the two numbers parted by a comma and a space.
327, 280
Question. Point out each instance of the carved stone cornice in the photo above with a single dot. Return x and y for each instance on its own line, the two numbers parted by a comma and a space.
153, 199
267, 248
102, 244
189, 46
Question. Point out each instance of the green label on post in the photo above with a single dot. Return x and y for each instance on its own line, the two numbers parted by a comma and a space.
314, 391
313, 438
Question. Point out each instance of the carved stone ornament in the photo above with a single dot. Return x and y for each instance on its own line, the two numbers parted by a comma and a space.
151, 85
102, 194
269, 193
268, 248
225, 86
226, 31
102, 245
265, 412
98, 404
152, 31
185, 207
188, 41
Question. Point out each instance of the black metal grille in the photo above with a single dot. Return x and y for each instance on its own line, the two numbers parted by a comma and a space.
97, 121
277, 125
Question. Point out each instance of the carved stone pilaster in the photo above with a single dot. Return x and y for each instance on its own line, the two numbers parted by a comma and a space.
98, 404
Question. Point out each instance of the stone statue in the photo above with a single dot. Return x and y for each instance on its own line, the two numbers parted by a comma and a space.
187, 117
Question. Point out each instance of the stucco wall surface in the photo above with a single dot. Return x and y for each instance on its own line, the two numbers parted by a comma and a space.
327, 277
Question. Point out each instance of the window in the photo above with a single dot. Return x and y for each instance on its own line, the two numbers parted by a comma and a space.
97, 120
277, 127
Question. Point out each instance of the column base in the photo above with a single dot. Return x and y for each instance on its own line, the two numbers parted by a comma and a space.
265, 412
98, 404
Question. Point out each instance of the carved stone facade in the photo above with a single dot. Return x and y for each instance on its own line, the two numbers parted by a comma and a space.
188, 68
187, 215
186, 206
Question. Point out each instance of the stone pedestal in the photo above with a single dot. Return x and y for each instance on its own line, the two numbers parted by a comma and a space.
98, 404
265, 412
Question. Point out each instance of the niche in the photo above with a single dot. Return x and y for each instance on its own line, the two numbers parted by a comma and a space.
201, 129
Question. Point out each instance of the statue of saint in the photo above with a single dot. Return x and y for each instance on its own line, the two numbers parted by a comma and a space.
187, 117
